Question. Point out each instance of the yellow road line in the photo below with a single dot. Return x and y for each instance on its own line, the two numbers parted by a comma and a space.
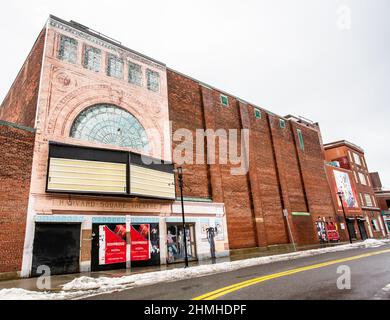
225, 290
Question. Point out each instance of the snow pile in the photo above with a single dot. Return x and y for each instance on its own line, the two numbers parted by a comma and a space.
22, 294
86, 286
387, 288
371, 243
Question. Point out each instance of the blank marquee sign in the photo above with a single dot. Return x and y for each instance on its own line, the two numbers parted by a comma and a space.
74, 169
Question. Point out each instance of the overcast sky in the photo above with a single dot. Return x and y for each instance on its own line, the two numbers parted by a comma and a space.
299, 57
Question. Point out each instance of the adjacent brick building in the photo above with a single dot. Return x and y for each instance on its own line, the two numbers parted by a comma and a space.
351, 158
17, 145
99, 110
382, 196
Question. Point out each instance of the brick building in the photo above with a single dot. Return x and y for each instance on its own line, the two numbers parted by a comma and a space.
350, 157
102, 114
382, 196
17, 145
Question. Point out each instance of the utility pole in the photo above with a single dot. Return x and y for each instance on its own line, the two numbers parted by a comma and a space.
340, 194
179, 171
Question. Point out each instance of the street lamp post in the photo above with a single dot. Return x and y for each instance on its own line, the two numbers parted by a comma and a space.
179, 171
340, 194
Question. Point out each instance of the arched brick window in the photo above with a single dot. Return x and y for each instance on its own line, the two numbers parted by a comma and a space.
112, 125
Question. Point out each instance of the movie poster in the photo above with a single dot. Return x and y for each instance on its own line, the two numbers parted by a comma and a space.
140, 242
112, 244
343, 184
333, 234
144, 245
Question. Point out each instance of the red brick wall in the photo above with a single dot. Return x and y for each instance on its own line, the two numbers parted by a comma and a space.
254, 202
15, 173
19, 106
314, 176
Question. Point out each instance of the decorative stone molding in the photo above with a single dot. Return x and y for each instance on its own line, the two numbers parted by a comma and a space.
85, 36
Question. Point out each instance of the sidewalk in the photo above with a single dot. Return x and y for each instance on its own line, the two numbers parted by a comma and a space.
57, 281
74, 286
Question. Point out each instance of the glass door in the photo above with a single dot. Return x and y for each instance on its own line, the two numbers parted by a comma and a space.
175, 242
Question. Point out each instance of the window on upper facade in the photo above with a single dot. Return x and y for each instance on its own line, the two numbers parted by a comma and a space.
92, 58
282, 123
153, 80
257, 113
356, 158
112, 125
362, 178
68, 49
135, 74
367, 197
114, 67
300, 138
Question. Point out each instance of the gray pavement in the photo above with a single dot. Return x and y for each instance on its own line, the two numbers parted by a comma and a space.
369, 276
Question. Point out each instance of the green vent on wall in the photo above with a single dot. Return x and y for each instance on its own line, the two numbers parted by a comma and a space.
300, 138
224, 100
257, 113
282, 123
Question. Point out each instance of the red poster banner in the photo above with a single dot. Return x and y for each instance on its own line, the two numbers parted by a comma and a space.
140, 242
112, 246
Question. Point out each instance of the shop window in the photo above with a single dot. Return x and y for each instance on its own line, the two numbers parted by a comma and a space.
135, 74
109, 124
300, 138
224, 100
109, 245
68, 49
153, 80
175, 242
257, 113
115, 67
92, 58
282, 123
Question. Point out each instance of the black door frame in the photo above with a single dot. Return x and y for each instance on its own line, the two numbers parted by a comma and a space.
351, 222
360, 226
77, 251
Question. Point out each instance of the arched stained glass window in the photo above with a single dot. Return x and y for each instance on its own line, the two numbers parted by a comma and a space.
109, 124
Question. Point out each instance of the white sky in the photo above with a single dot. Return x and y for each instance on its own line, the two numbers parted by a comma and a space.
289, 56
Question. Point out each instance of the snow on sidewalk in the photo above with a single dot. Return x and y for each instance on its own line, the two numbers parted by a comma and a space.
86, 286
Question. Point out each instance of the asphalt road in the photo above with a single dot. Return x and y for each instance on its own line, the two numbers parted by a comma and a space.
305, 278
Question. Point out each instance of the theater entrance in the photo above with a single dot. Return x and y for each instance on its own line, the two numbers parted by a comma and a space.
175, 242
